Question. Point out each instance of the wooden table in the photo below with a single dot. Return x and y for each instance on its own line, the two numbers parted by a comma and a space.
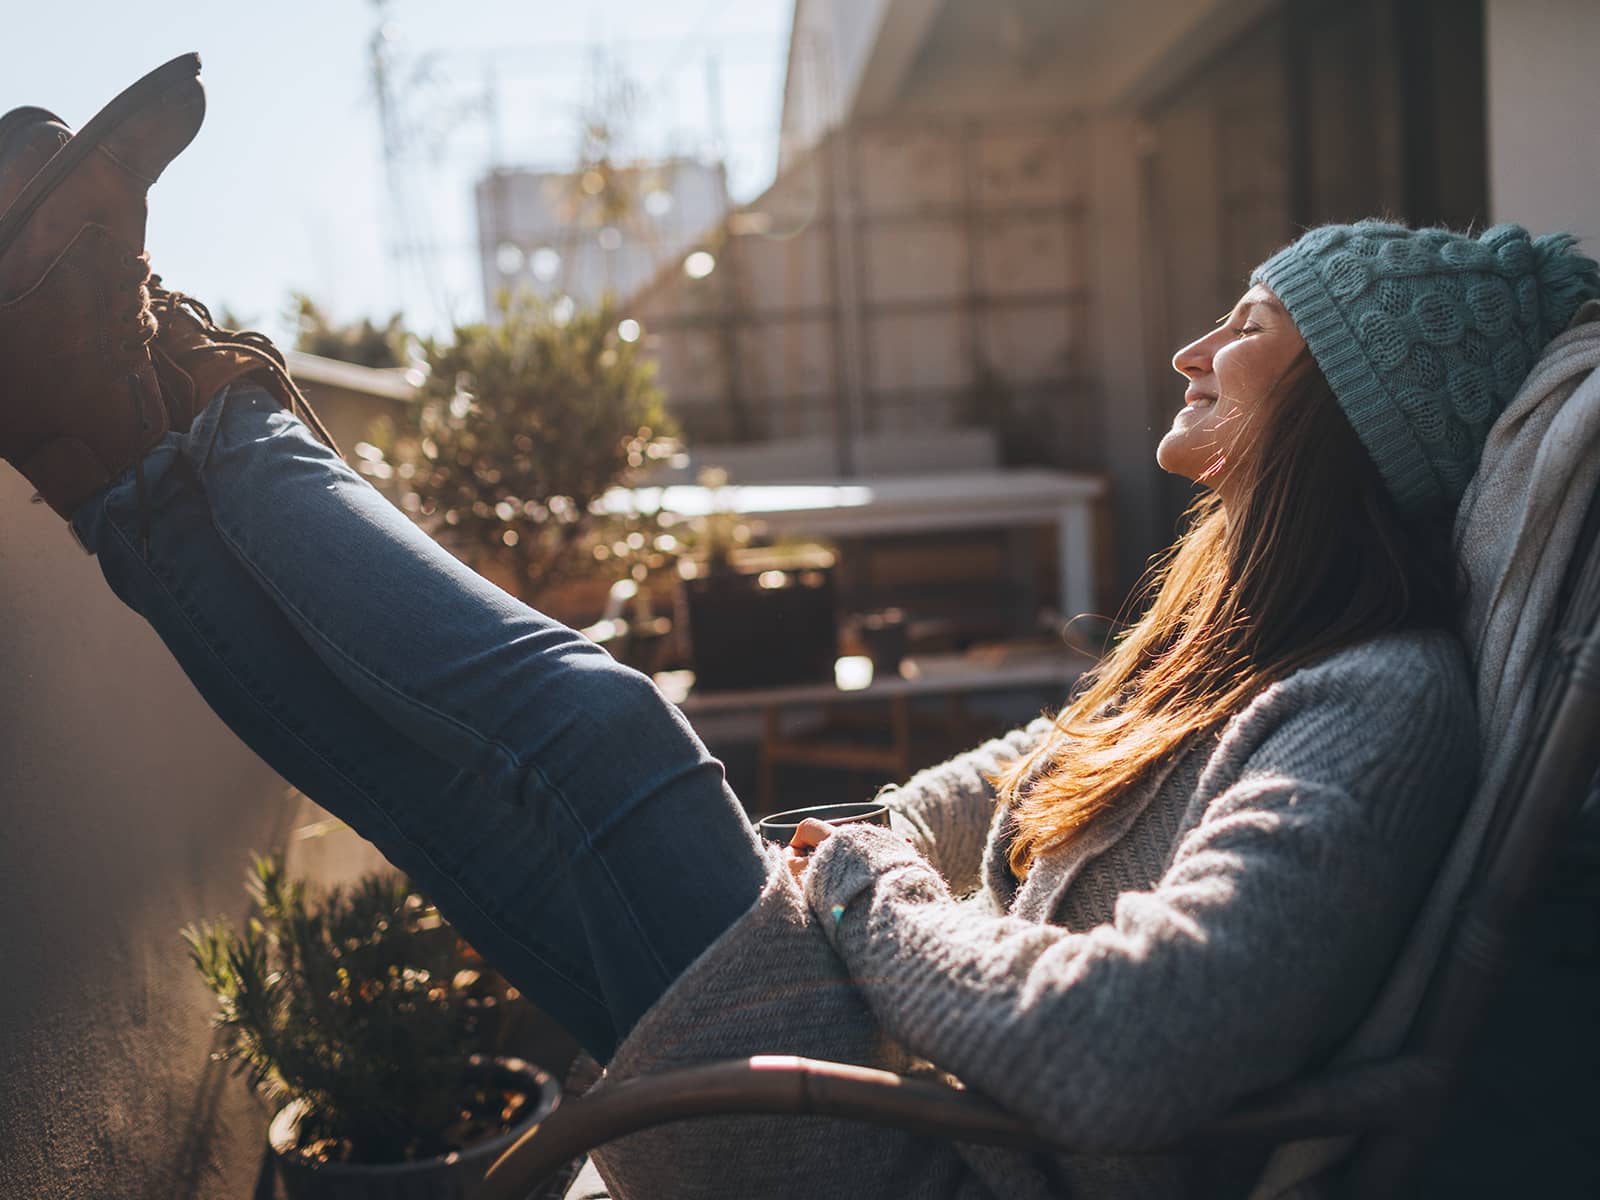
953, 676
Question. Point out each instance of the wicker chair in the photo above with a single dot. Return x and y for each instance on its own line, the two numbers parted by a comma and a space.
1395, 1107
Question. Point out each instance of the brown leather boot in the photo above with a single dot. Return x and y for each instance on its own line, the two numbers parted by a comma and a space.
29, 138
79, 398
195, 359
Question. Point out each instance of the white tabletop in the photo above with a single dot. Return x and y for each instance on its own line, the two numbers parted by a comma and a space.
885, 505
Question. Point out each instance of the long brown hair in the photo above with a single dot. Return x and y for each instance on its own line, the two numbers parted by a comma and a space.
1313, 557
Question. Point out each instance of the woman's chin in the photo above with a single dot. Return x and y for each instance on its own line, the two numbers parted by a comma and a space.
1176, 457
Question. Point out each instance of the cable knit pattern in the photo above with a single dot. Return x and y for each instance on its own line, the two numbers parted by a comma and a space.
1134, 862
1424, 335
1305, 846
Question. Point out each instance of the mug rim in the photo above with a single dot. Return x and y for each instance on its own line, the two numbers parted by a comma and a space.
792, 817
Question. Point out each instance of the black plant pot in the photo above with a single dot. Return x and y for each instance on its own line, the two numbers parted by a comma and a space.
750, 629
454, 1176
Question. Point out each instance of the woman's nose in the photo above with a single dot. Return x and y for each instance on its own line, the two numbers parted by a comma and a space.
1194, 359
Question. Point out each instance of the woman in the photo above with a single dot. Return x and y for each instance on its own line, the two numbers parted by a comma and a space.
1186, 887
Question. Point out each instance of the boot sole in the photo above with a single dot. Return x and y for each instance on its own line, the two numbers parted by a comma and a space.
83, 143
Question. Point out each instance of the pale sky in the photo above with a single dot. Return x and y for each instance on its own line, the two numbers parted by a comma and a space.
284, 188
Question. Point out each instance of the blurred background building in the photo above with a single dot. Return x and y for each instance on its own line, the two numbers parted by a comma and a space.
598, 230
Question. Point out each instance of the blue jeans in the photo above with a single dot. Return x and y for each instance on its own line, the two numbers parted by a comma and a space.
559, 811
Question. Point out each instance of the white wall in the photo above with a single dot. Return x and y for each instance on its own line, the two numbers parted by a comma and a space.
965, 247
1544, 115
128, 810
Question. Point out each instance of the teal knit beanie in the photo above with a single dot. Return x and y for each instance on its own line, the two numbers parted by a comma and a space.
1425, 335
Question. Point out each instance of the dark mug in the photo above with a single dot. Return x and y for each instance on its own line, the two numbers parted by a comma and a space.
779, 827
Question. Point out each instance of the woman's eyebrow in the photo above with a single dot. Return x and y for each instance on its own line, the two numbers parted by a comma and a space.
1269, 303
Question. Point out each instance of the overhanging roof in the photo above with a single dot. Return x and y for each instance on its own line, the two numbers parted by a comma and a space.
1105, 54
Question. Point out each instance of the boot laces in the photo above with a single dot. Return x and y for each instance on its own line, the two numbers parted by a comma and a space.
137, 280
165, 300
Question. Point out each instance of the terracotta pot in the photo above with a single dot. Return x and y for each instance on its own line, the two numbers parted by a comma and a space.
453, 1177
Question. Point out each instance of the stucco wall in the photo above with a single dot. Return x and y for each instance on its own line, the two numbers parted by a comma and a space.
1544, 94
128, 811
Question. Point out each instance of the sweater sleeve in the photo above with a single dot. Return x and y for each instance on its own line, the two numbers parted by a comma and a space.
1258, 948
948, 809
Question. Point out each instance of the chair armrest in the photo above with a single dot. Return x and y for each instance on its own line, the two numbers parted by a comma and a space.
1390, 1096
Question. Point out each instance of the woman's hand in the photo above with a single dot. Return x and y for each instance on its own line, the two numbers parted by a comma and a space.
811, 834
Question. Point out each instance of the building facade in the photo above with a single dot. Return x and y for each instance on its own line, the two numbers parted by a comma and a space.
595, 231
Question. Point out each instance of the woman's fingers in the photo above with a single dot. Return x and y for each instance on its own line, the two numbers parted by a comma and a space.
812, 833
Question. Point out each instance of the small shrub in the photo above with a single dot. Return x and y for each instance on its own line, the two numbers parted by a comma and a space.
364, 343
523, 425
352, 1007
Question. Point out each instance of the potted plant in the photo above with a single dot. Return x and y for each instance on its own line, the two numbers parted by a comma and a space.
755, 617
349, 1015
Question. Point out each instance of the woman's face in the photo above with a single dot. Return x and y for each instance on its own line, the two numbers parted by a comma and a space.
1231, 372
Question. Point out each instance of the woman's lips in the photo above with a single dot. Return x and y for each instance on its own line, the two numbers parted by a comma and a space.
1194, 408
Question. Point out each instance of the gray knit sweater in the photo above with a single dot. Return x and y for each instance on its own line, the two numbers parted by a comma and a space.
1220, 935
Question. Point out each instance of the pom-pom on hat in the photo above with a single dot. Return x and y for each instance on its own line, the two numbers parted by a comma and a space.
1424, 335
